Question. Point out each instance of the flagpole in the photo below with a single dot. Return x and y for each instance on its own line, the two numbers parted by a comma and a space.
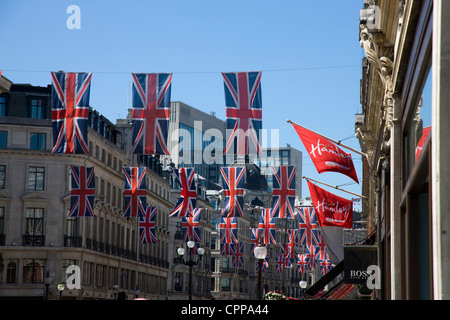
334, 141
355, 194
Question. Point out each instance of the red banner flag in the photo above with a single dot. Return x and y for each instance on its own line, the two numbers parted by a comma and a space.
422, 140
325, 155
331, 210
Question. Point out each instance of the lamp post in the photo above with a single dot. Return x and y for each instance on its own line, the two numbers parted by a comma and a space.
190, 262
60, 289
260, 253
47, 281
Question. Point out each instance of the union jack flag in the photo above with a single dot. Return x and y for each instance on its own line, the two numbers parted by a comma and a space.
321, 252
150, 112
280, 262
147, 226
308, 227
228, 230
188, 197
135, 191
289, 247
243, 110
225, 248
325, 266
70, 111
83, 192
267, 226
302, 263
233, 185
237, 252
310, 254
191, 226
254, 239
283, 200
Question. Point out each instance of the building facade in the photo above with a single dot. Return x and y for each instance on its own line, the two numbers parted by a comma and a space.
404, 96
39, 242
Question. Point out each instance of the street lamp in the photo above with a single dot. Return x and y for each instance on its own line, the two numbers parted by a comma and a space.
60, 289
303, 285
47, 281
260, 253
191, 262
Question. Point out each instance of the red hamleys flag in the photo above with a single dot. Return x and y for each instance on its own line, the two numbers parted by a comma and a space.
325, 155
331, 210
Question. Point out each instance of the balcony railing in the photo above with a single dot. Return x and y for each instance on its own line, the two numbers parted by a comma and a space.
33, 240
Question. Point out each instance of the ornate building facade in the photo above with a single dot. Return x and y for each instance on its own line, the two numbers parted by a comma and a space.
403, 130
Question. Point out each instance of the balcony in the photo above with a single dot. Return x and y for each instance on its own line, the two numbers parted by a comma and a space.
33, 240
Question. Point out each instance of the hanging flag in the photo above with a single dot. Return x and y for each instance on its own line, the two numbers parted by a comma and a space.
135, 191
289, 247
331, 209
307, 225
310, 254
70, 112
243, 111
325, 155
233, 188
150, 112
325, 266
188, 196
267, 226
280, 262
237, 252
228, 229
254, 239
147, 226
283, 201
83, 192
225, 248
302, 263
191, 226
422, 140
321, 251
286, 253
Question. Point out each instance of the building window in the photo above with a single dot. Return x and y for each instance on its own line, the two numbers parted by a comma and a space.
33, 271
37, 108
34, 227
37, 141
2, 177
11, 272
36, 178
2, 106
3, 139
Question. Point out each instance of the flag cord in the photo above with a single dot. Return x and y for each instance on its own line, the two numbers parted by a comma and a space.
335, 187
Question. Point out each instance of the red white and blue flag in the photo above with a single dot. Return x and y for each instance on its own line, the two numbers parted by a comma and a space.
302, 263
283, 200
150, 112
280, 262
243, 101
190, 226
135, 193
83, 192
267, 227
147, 226
325, 266
321, 252
307, 225
188, 193
254, 239
228, 229
233, 186
226, 248
289, 247
310, 254
70, 112
237, 252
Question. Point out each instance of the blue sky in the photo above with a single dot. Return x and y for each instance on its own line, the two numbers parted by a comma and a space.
308, 52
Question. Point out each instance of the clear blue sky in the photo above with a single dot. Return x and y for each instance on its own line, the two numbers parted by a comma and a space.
308, 52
